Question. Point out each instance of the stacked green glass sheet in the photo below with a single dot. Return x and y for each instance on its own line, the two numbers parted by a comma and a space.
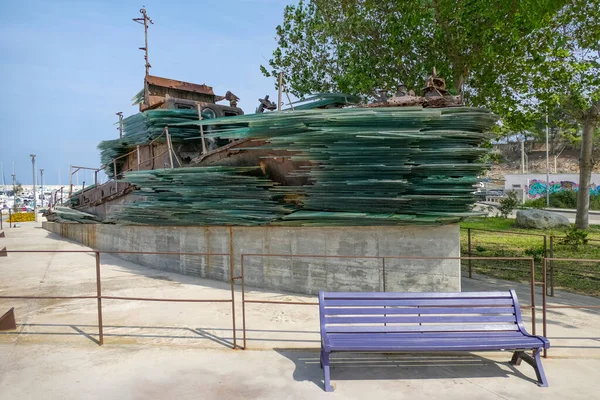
363, 166
142, 128
201, 196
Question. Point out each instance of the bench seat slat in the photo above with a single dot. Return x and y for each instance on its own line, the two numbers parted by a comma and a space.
422, 310
428, 319
414, 295
428, 335
416, 346
416, 302
423, 328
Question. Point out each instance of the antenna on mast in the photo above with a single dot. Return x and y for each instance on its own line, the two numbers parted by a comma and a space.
144, 21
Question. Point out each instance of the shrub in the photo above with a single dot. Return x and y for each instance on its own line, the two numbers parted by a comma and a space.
536, 252
563, 199
537, 203
508, 204
574, 238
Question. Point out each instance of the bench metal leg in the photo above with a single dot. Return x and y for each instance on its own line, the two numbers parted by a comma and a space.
535, 361
325, 366
516, 359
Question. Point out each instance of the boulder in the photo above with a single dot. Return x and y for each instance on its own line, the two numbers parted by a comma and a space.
540, 219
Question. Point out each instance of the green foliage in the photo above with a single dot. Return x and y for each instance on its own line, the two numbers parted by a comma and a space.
358, 46
562, 199
508, 204
539, 203
536, 252
574, 238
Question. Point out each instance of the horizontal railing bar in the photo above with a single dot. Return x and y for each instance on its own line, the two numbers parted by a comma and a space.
48, 297
507, 232
572, 306
166, 299
120, 252
117, 298
281, 302
389, 257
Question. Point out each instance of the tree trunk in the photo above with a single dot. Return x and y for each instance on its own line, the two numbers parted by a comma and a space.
585, 170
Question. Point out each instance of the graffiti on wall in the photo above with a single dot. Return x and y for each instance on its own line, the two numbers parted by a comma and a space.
537, 188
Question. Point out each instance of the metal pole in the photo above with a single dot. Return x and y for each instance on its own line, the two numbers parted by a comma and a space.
383, 272
544, 280
231, 278
138, 156
201, 130
70, 180
547, 167
523, 155
551, 266
99, 295
14, 178
143, 11
169, 146
469, 253
34, 184
42, 182
243, 302
532, 285
120, 114
9, 218
280, 91
115, 175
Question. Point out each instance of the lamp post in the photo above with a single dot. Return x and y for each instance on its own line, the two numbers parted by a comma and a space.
14, 178
34, 198
42, 182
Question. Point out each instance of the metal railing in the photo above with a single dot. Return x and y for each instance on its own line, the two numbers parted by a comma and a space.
140, 163
544, 283
99, 296
383, 259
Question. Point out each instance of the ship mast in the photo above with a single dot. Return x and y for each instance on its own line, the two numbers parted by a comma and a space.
144, 21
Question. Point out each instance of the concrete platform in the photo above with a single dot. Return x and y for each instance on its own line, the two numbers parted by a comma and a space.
183, 350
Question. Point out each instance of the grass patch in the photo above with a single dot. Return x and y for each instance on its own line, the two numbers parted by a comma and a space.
508, 241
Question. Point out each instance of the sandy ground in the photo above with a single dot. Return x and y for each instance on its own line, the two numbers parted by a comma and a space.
184, 350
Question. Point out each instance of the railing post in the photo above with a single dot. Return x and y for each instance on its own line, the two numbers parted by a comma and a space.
545, 281
138, 157
115, 175
243, 301
383, 272
532, 285
551, 266
231, 278
169, 146
99, 295
469, 253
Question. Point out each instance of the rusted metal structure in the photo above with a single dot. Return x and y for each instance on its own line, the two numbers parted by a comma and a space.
7, 321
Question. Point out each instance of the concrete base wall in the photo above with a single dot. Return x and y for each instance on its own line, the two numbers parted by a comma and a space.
295, 274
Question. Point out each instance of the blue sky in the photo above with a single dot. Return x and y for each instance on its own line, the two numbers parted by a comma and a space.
67, 67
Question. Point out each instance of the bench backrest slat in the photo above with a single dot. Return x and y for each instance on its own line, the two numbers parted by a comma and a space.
419, 312
418, 302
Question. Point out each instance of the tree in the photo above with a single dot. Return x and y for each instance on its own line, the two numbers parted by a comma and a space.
562, 69
358, 46
519, 58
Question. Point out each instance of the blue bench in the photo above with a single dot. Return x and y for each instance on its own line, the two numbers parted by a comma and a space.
426, 322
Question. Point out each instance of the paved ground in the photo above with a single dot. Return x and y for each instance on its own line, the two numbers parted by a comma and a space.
183, 350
